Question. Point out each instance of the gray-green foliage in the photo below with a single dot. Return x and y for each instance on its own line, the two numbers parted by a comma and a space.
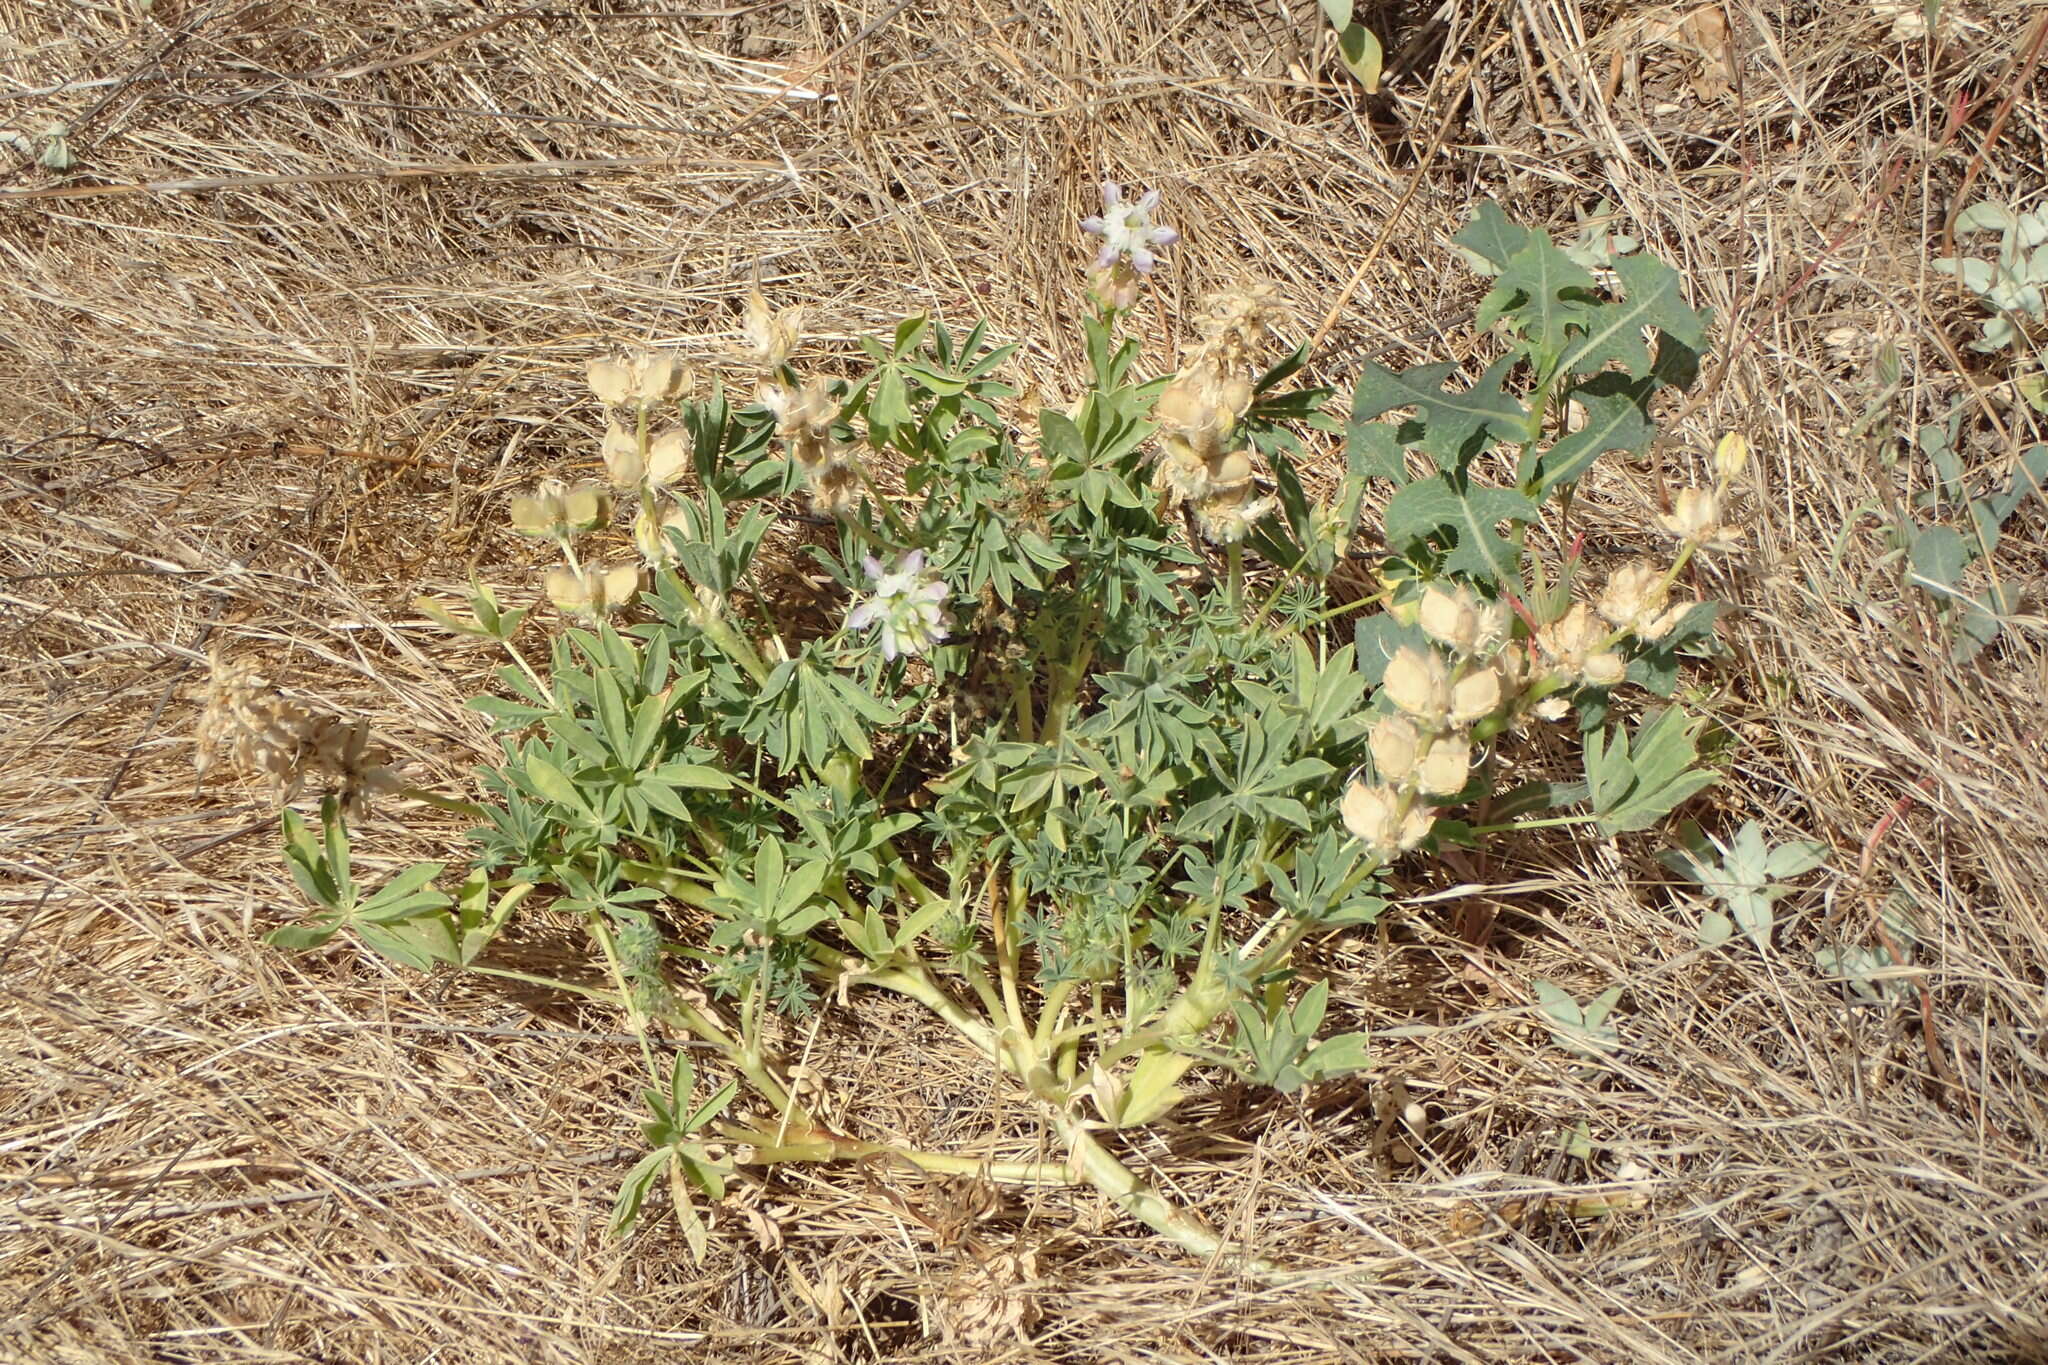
1872, 973
1938, 556
2012, 282
1585, 1029
1091, 819
1746, 875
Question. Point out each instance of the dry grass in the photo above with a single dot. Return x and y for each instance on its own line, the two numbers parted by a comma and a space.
316, 297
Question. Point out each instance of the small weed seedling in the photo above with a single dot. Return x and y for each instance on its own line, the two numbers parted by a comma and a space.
1746, 875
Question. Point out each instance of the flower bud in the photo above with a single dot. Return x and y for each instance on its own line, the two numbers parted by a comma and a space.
668, 456
1445, 765
622, 457
1417, 682
1605, 670
1475, 696
592, 591
1731, 457
610, 379
650, 536
1115, 287
586, 506
1396, 746
1456, 618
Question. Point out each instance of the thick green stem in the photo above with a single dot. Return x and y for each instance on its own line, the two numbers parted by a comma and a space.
1128, 1192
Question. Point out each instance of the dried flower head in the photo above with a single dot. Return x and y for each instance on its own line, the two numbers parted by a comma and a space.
590, 592
1695, 518
1574, 648
1236, 323
1386, 820
810, 407
1635, 599
836, 486
1228, 517
263, 731
1127, 230
770, 336
905, 604
1461, 621
641, 378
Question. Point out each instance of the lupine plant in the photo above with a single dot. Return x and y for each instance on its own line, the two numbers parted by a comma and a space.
1090, 731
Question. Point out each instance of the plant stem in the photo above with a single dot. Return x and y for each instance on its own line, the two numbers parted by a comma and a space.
1131, 1194
422, 795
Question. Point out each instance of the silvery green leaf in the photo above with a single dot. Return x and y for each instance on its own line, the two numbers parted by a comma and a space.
1715, 929
1988, 216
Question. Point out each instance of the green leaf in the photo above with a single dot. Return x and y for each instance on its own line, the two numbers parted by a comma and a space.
418, 943
1615, 330
1615, 420
1378, 639
1492, 237
1428, 506
1938, 558
308, 863
1339, 1055
300, 937
688, 777
638, 1184
1361, 54
1338, 12
1455, 425
1636, 784
554, 784
1541, 292
405, 895
1373, 451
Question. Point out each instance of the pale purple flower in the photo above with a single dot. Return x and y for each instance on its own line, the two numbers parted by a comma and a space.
1127, 229
906, 603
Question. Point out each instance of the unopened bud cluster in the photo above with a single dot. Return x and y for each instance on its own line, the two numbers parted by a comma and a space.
1202, 461
1470, 672
263, 731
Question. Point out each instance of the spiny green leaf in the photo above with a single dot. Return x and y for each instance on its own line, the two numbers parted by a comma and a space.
1615, 330
1615, 420
1427, 506
1455, 425
1542, 292
1491, 237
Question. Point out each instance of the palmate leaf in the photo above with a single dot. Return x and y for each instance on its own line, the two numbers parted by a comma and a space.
1614, 331
1472, 515
1635, 782
1455, 425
